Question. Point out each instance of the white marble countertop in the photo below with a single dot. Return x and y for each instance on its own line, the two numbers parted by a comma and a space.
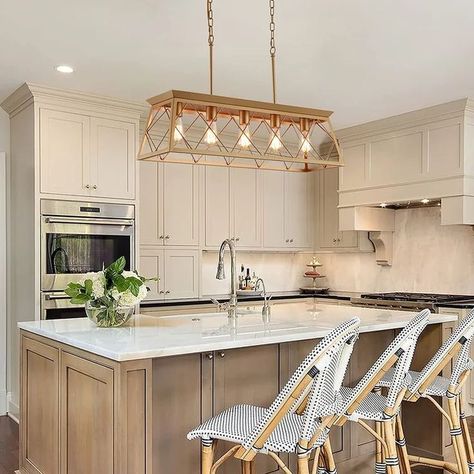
151, 336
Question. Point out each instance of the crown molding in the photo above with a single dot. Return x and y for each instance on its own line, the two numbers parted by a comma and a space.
30, 92
450, 110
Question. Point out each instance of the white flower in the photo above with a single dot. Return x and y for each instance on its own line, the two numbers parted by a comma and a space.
98, 283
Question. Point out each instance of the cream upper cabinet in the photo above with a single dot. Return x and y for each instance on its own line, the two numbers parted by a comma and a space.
180, 204
178, 272
273, 209
169, 204
64, 153
245, 201
328, 235
298, 209
216, 205
86, 156
287, 210
112, 158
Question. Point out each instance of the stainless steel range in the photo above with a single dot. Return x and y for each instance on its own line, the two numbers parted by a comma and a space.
409, 301
76, 238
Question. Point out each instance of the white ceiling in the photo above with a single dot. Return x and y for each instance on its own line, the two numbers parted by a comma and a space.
364, 59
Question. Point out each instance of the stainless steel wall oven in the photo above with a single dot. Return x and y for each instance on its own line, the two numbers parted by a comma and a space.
77, 238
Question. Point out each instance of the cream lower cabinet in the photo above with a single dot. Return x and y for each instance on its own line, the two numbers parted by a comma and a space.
327, 234
178, 272
169, 204
287, 210
86, 156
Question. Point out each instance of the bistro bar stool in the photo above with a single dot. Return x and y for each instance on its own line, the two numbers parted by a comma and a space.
429, 384
298, 421
360, 404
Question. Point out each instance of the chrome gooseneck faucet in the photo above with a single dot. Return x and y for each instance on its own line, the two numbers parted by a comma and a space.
220, 275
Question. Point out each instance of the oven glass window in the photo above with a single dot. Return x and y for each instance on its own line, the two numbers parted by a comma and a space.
73, 253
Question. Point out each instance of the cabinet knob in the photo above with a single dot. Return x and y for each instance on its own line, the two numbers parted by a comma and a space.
287, 240
95, 186
210, 356
334, 240
338, 240
291, 240
161, 292
237, 239
167, 292
221, 355
162, 237
167, 237
87, 186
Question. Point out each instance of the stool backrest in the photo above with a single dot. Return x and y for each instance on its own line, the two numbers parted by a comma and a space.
459, 343
310, 378
399, 355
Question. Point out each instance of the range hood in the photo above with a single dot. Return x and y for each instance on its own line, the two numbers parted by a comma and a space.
421, 156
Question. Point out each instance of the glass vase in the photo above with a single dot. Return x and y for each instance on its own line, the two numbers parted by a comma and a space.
112, 316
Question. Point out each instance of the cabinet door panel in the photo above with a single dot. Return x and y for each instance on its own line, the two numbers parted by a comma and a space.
64, 153
329, 234
39, 408
152, 265
298, 221
87, 410
150, 224
217, 205
274, 209
239, 379
113, 158
329, 200
176, 411
181, 273
180, 204
246, 207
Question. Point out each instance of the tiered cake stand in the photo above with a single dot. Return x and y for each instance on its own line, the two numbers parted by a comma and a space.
314, 275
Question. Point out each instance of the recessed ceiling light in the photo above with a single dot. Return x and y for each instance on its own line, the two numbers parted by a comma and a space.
383, 204
64, 69
425, 201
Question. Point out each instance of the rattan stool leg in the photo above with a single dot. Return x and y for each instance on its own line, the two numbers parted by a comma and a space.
380, 467
329, 457
393, 466
402, 446
207, 456
456, 436
303, 464
248, 467
466, 436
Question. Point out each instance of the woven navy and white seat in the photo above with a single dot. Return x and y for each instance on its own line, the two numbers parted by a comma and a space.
430, 383
298, 419
360, 404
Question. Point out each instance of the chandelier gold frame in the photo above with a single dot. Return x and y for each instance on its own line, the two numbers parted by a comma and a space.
206, 129
179, 123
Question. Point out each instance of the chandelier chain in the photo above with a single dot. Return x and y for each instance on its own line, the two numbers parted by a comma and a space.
272, 46
210, 40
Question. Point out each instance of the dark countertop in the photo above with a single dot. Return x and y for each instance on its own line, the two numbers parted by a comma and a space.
468, 304
277, 295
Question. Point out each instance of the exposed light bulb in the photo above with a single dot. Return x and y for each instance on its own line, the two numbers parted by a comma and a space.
211, 133
64, 69
244, 140
383, 204
425, 201
178, 130
275, 140
305, 145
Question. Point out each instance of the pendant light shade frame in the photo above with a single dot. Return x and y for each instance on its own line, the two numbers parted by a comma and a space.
188, 114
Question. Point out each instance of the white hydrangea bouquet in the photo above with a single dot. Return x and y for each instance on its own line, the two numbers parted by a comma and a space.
109, 296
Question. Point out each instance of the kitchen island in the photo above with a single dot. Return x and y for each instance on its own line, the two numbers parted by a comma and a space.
102, 401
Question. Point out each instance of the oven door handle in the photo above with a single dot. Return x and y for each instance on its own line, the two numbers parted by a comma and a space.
98, 221
55, 297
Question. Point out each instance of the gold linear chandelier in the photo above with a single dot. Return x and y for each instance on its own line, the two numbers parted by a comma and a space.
206, 129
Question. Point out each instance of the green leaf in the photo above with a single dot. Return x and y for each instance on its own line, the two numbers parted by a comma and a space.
88, 287
121, 283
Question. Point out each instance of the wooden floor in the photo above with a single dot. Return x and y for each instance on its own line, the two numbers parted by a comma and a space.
9, 444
